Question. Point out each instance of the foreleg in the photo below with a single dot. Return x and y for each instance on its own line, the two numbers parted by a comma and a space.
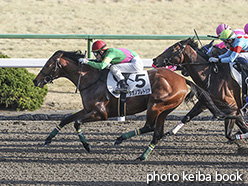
229, 124
157, 135
81, 136
81, 115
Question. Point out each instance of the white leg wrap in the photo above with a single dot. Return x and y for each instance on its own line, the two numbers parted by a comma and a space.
242, 136
176, 128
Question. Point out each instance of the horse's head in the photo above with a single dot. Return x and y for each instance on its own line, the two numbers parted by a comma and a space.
172, 55
55, 67
50, 71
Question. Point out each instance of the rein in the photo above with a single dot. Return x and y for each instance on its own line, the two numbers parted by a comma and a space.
84, 88
49, 78
212, 66
79, 78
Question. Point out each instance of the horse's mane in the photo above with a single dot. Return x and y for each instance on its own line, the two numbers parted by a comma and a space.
74, 55
194, 44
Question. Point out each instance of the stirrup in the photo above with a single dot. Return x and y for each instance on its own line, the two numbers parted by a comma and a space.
121, 90
246, 81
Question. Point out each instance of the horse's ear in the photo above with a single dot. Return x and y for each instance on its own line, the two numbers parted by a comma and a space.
187, 41
59, 53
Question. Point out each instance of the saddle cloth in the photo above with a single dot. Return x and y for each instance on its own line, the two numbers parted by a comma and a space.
138, 84
236, 75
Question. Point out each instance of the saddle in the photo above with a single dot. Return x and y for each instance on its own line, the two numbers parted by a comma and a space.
138, 85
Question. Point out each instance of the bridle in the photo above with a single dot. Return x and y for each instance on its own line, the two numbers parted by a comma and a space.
179, 52
48, 78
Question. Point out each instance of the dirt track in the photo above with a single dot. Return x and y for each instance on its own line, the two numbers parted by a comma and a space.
199, 147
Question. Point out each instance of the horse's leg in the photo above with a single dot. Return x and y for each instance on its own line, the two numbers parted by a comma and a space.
229, 124
196, 110
157, 135
243, 128
149, 127
241, 124
79, 115
81, 136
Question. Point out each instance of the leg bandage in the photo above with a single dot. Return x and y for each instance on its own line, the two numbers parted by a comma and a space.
242, 136
176, 128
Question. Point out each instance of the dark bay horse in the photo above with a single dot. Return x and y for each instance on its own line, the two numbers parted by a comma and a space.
214, 78
168, 92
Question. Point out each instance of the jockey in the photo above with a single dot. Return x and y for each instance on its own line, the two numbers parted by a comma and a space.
238, 52
118, 60
223, 27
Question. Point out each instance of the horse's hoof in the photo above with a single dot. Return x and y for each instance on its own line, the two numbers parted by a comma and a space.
47, 141
238, 132
87, 147
140, 158
118, 141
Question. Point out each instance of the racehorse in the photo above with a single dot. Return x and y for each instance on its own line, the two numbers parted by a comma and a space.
215, 78
168, 92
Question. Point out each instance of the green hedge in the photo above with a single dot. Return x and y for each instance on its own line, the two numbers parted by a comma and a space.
17, 90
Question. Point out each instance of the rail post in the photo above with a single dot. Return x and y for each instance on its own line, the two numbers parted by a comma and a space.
90, 41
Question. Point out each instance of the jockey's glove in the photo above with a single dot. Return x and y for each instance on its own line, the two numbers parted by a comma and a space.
214, 60
83, 61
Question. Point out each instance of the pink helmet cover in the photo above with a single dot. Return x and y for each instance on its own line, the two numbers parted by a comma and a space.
246, 29
222, 27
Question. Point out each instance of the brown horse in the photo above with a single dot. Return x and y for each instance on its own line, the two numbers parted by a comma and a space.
215, 78
168, 91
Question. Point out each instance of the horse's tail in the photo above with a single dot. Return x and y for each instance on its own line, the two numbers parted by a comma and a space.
204, 97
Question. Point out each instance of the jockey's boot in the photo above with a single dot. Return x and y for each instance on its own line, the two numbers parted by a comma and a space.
123, 86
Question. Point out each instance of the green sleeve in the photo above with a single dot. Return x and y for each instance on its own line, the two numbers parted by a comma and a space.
100, 65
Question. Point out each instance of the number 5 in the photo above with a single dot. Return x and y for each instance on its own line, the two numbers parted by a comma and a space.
138, 78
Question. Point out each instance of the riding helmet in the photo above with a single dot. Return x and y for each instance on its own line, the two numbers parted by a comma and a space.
98, 46
227, 34
221, 28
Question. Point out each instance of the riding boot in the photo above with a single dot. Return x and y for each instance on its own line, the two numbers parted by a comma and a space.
123, 86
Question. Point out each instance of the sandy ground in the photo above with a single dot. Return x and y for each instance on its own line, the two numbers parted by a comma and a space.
199, 148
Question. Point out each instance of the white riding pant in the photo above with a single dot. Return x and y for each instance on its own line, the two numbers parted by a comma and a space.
134, 66
243, 55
